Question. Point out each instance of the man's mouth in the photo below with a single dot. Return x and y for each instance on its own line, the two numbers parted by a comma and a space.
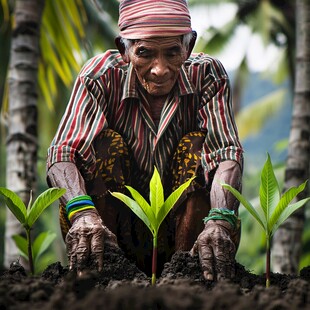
159, 83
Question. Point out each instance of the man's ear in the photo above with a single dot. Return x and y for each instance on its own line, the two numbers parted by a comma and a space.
122, 49
192, 43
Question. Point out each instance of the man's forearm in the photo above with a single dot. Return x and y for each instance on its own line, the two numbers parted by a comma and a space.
228, 172
66, 175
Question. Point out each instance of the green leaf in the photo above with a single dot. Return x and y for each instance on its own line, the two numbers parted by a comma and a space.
286, 198
68, 28
170, 202
76, 12
30, 200
41, 243
247, 205
147, 209
41, 203
15, 204
22, 245
44, 87
5, 10
269, 191
156, 192
287, 212
263, 109
135, 207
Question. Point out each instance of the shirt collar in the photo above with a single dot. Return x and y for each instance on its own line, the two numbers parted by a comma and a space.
184, 85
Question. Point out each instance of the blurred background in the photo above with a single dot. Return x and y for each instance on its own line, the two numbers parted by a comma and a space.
254, 39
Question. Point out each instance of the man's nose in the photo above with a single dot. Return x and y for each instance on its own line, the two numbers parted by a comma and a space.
160, 67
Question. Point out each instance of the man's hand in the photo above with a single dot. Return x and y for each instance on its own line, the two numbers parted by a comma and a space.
216, 247
86, 239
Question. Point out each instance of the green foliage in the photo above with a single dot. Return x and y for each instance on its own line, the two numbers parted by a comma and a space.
61, 42
40, 245
263, 109
251, 254
154, 213
305, 259
27, 217
275, 209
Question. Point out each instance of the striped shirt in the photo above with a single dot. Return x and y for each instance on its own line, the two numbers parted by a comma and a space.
106, 94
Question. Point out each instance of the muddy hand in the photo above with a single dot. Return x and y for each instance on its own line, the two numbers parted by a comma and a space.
86, 239
216, 250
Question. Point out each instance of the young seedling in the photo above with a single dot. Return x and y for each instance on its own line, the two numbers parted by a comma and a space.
154, 213
40, 245
275, 209
28, 216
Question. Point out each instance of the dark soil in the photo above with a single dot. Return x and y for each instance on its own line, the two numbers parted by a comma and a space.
122, 286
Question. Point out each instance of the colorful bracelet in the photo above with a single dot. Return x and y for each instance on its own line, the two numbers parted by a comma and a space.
223, 214
79, 203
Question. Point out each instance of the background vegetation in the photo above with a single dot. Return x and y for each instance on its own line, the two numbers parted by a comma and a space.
74, 30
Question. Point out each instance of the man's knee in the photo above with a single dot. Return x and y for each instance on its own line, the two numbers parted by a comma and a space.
112, 164
192, 142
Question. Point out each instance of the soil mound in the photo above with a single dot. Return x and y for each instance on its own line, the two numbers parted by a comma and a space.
121, 285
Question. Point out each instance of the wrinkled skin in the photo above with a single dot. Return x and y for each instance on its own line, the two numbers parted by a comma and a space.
87, 234
157, 62
216, 250
86, 238
218, 242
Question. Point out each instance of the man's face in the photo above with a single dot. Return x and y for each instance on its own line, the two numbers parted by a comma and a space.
157, 62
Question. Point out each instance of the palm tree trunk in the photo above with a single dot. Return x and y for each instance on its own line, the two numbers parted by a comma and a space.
21, 172
287, 240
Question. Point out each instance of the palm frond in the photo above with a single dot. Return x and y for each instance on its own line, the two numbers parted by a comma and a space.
61, 43
263, 109
213, 40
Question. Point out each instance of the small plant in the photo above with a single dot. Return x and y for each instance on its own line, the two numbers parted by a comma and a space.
275, 209
28, 216
154, 213
39, 246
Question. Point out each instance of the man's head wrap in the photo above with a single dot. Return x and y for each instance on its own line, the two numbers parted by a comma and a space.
141, 19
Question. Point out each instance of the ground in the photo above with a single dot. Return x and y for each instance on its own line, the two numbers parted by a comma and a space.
122, 286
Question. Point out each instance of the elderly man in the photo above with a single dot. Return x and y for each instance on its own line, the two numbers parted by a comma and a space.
149, 103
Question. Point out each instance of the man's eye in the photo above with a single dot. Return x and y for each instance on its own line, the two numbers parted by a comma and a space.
143, 52
172, 54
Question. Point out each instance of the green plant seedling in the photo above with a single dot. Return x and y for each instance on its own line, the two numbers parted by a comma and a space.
28, 216
154, 213
40, 245
275, 209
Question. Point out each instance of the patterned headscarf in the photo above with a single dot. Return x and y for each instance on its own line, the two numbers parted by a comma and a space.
140, 19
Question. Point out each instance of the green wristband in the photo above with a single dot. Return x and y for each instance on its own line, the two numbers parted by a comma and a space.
223, 214
79, 198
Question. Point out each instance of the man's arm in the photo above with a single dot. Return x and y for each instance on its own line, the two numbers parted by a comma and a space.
87, 234
66, 175
228, 172
218, 242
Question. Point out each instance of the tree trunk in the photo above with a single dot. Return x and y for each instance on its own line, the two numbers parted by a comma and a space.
287, 240
21, 172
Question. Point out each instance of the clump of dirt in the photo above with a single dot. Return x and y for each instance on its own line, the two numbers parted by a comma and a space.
121, 285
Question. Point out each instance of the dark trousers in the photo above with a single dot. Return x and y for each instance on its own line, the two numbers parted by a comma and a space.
115, 168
